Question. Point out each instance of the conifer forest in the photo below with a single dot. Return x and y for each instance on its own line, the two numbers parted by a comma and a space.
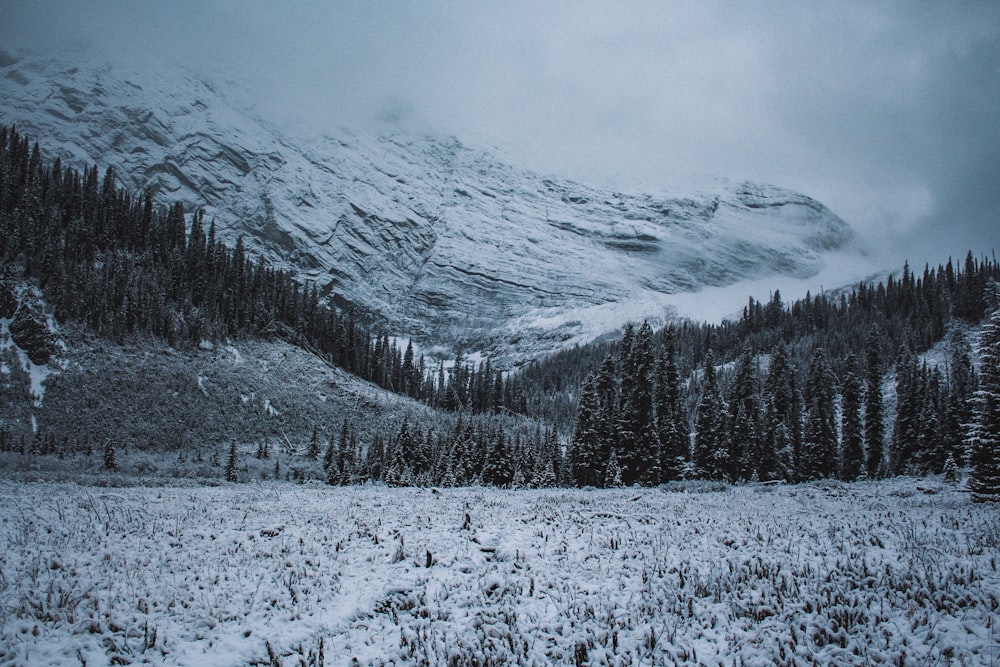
787, 392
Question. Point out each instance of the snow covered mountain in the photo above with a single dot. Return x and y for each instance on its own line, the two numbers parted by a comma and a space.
446, 243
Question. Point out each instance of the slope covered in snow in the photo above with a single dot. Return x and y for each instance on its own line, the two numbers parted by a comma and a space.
444, 242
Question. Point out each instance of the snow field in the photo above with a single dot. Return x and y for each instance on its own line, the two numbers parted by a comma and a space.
896, 572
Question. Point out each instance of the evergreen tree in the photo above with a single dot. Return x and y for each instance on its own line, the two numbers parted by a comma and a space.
711, 450
852, 442
906, 427
232, 471
499, 467
639, 443
613, 480
961, 385
951, 472
671, 417
782, 420
745, 430
313, 452
819, 450
110, 456
607, 398
874, 429
983, 439
587, 466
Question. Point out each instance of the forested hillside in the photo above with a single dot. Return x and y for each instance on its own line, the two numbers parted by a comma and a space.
873, 381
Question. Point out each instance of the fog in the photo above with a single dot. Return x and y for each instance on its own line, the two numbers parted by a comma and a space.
886, 113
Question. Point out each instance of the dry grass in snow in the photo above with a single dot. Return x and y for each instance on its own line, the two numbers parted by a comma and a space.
896, 572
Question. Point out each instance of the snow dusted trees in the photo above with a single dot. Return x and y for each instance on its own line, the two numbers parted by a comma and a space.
874, 429
745, 436
671, 416
819, 448
711, 441
638, 436
984, 432
782, 420
852, 450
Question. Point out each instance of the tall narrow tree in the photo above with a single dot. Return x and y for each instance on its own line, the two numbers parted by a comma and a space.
874, 429
984, 433
852, 442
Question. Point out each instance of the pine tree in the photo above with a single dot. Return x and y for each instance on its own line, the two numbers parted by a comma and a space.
745, 429
874, 429
671, 417
499, 467
110, 456
782, 420
711, 451
961, 385
607, 398
951, 472
232, 471
587, 467
639, 443
906, 427
852, 443
983, 440
819, 449
613, 480
313, 452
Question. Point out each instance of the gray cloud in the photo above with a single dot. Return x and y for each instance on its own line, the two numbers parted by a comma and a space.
886, 112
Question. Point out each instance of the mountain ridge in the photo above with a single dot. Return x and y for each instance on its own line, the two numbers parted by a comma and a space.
442, 242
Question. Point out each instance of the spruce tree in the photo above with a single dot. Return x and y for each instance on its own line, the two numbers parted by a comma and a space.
232, 471
313, 452
711, 451
906, 427
588, 469
983, 440
782, 415
745, 428
110, 456
613, 480
639, 443
852, 442
671, 416
961, 385
819, 449
874, 429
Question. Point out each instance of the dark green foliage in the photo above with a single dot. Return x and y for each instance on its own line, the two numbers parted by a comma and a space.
671, 415
232, 469
587, 463
874, 428
110, 456
711, 444
983, 439
639, 442
961, 386
852, 449
782, 420
745, 437
819, 447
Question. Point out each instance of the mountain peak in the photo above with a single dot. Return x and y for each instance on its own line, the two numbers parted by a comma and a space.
443, 242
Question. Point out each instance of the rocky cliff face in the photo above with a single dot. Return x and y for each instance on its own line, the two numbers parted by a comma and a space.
445, 242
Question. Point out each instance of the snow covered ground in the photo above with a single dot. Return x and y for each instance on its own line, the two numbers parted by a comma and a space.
895, 572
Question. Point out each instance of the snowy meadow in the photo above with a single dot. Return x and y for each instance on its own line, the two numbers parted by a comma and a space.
896, 572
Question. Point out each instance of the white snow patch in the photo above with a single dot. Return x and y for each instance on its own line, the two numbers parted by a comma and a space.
237, 357
269, 409
201, 384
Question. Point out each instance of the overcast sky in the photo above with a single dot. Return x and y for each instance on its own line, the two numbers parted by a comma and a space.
886, 112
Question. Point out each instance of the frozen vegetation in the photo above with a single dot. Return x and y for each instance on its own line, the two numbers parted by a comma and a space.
893, 572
